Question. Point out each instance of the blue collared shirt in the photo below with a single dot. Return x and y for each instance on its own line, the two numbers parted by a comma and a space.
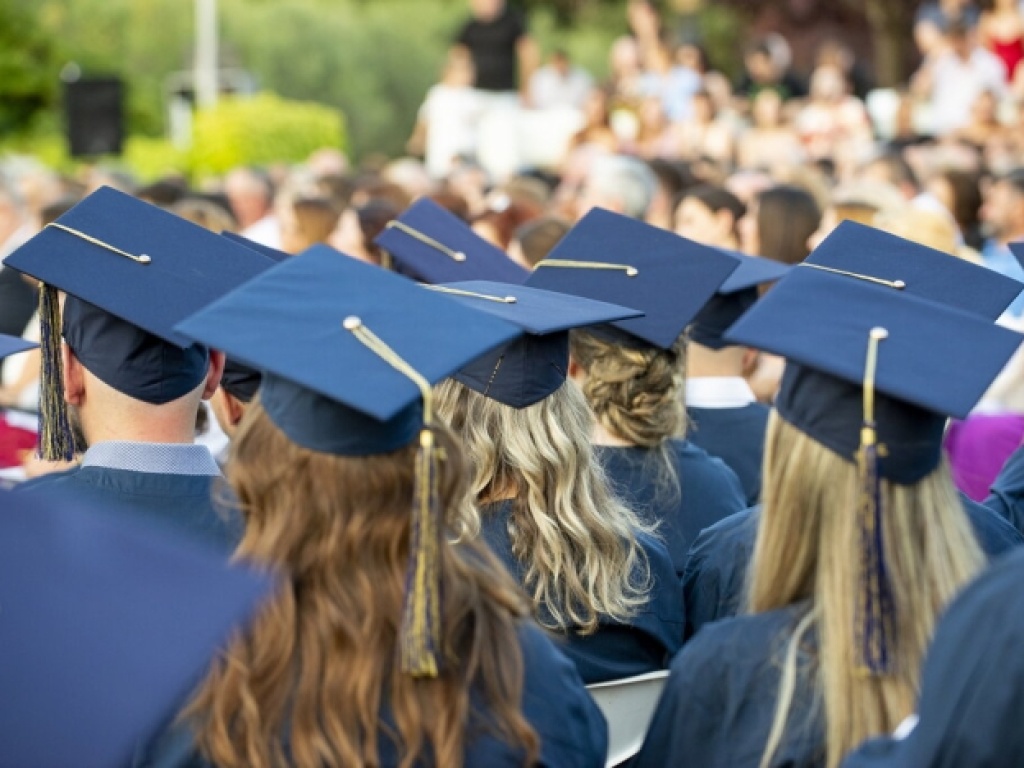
159, 458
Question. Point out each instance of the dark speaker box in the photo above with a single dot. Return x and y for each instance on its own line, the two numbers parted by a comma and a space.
94, 116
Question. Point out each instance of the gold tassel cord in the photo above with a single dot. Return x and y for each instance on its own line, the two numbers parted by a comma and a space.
141, 258
898, 285
630, 271
437, 245
419, 641
471, 294
874, 601
56, 439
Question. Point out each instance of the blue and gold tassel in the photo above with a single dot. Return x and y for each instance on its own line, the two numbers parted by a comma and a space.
874, 604
56, 439
420, 631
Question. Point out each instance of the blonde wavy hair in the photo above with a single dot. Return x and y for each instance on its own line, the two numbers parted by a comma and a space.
807, 548
305, 685
575, 538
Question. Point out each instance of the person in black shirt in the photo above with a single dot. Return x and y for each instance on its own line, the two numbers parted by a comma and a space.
496, 37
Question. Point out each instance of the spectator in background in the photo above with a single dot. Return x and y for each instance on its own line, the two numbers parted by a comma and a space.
620, 184
960, 193
770, 140
952, 80
205, 213
762, 70
1002, 215
358, 227
504, 216
305, 222
779, 224
1001, 30
503, 54
833, 124
560, 84
704, 135
251, 195
447, 120
709, 214
983, 126
536, 239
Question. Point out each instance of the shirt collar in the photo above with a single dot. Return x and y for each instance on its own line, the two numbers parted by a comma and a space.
718, 392
156, 458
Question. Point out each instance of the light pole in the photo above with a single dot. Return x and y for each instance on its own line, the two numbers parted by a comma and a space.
206, 63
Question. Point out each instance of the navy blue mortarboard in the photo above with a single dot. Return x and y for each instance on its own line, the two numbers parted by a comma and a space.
613, 258
349, 353
12, 345
107, 628
131, 271
433, 245
936, 361
273, 254
735, 296
918, 270
872, 373
1017, 249
527, 370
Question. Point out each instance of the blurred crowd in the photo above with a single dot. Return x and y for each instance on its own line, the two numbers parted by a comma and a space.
767, 164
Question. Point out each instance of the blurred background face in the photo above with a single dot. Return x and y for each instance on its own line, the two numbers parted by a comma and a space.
767, 109
698, 222
486, 10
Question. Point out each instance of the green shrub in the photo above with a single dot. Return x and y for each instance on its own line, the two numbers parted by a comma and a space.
260, 130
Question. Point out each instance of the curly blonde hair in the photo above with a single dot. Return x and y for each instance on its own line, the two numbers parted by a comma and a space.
577, 541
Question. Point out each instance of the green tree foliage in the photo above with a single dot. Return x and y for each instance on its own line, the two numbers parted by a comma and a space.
28, 66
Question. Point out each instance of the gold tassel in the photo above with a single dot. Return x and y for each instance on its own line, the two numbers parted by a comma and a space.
420, 631
56, 440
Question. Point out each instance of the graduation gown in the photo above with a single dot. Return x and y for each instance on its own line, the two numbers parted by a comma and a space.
718, 704
572, 729
708, 491
183, 504
716, 571
1006, 497
646, 643
736, 436
972, 685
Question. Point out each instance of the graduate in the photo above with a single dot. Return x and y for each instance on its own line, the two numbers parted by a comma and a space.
725, 418
972, 686
130, 271
1006, 497
632, 371
396, 640
107, 627
862, 539
599, 581
716, 566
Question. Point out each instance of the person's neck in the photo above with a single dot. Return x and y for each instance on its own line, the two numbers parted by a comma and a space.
600, 435
704, 362
139, 430
1010, 236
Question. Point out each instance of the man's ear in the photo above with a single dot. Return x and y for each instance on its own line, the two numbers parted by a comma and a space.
750, 360
74, 377
576, 372
234, 408
216, 370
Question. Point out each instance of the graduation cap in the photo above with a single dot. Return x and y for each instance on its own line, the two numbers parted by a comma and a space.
735, 296
12, 345
273, 254
433, 245
106, 629
349, 353
860, 251
130, 271
527, 370
869, 375
1017, 249
613, 258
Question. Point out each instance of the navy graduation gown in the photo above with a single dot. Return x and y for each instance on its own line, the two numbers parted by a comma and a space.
708, 491
615, 650
1006, 497
572, 730
972, 684
716, 571
736, 436
719, 701
185, 504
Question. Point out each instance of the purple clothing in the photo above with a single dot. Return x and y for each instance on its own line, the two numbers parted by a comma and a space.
979, 447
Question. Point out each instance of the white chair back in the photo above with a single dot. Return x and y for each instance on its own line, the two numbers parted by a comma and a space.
628, 706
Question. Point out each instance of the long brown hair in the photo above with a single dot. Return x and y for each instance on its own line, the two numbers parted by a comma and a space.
807, 545
306, 685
